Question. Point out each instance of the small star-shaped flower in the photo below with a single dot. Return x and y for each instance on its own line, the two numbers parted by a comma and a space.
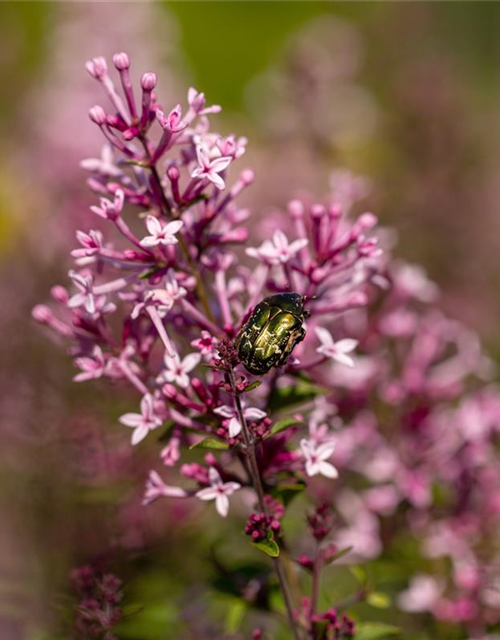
144, 422
91, 367
177, 370
156, 488
161, 233
317, 457
278, 250
336, 350
218, 491
210, 169
235, 426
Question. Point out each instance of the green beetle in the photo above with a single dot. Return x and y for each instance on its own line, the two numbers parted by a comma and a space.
269, 336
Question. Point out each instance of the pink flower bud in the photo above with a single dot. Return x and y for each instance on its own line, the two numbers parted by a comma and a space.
59, 294
41, 313
247, 176
97, 67
317, 210
173, 173
148, 82
121, 61
296, 208
98, 115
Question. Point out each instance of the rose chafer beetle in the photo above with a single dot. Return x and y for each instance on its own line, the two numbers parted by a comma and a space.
271, 333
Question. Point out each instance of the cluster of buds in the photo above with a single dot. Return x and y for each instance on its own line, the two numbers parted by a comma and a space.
98, 610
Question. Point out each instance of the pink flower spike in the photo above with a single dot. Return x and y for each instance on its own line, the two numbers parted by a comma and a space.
218, 491
144, 422
97, 67
317, 456
173, 122
210, 169
156, 488
196, 101
335, 350
177, 370
235, 426
92, 367
161, 234
85, 297
110, 210
278, 250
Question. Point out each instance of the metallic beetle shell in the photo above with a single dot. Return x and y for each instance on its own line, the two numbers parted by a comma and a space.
271, 333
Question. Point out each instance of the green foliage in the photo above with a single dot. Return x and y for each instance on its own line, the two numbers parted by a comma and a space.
269, 546
376, 631
284, 424
210, 443
378, 600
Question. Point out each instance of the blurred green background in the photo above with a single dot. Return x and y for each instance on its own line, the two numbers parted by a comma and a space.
405, 93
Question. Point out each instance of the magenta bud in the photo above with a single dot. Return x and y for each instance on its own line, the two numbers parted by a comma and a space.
59, 294
98, 115
296, 208
41, 313
148, 81
173, 173
121, 61
317, 210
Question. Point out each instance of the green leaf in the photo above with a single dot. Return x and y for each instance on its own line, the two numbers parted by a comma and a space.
359, 573
339, 554
268, 546
375, 631
253, 385
131, 609
283, 397
283, 425
235, 614
210, 443
378, 600
287, 492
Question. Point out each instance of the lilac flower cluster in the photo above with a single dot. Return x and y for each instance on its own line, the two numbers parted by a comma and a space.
169, 292
383, 387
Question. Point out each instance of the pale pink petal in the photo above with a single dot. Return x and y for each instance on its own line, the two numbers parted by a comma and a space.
139, 434
217, 181
149, 241
191, 361
343, 358
231, 487
328, 470
347, 345
207, 494
213, 476
173, 227
132, 420
297, 245
325, 450
202, 157
234, 427
222, 505
324, 336
220, 164
224, 411
280, 240
153, 225
254, 414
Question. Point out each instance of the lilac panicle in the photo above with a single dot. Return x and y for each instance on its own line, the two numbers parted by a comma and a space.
165, 289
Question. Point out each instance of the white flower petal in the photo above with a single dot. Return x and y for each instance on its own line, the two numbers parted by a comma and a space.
328, 470
234, 427
139, 434
222, 505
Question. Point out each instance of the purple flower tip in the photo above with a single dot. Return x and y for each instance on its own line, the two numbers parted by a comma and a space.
247, 176
121, 61
296, 208
148, 81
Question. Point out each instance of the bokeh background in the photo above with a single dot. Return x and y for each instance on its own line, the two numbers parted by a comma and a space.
407, 94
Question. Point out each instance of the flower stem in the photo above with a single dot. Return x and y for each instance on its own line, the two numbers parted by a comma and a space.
259, 489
